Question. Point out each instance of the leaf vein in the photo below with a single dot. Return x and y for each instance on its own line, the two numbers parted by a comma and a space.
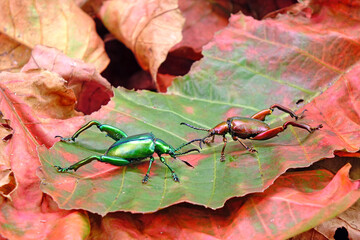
214, 180
119, 192
299, 50
307, 91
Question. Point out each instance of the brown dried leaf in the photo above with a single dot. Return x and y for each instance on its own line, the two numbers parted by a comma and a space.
43, 91
60, 24
149, 28
350, 219
12, 54
91, 89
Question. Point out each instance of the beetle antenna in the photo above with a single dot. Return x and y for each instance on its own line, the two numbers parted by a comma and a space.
191, 150
185, 144
186, 162
202, 129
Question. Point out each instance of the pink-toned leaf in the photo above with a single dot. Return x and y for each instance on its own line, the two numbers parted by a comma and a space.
42, 223
149, 28
59, 24
296, 202
91, 89
33, 105
75, 225
203, 19
7, 180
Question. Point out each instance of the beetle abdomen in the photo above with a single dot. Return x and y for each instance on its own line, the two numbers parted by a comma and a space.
247, 127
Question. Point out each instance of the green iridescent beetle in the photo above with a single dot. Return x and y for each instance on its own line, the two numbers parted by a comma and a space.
128, 149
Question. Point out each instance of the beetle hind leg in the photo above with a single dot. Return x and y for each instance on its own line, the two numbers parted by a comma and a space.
303, 126
113, 132
77, 165
274, 131
117, 161
263, 113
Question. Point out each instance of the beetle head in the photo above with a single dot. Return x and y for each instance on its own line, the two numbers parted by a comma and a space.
220, 129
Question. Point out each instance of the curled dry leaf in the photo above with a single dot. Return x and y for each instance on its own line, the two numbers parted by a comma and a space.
59, 24
91, 89
149, 28
301, 7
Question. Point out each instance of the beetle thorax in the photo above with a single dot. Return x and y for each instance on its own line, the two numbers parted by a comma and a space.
162, 147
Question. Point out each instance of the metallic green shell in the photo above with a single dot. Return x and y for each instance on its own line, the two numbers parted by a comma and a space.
133, 147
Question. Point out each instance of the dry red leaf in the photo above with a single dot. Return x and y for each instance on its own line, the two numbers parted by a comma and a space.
347, 154
278, 213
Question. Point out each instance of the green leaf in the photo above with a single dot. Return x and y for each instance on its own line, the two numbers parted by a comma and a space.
246, 68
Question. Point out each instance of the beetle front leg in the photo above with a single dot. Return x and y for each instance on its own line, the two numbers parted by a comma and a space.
202, 140
205, 140
175, 177
222, 156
